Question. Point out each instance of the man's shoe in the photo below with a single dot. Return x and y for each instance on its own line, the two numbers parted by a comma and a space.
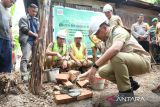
123, 97
134, 84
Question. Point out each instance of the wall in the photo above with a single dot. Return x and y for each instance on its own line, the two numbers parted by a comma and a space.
93, 3
128, 14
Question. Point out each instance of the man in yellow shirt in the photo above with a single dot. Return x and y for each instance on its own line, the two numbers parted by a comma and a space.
78, 53
57, 53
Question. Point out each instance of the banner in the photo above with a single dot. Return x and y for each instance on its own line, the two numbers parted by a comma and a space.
73, 20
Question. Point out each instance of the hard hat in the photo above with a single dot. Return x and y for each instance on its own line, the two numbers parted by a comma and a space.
107, 8
61, 34
155, 20
78, 34
95, 23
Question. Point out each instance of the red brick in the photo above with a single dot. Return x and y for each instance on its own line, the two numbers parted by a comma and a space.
85, 94
63, 99
56, 93
62, 77
83, 83
56, 87
67, 83
73, 75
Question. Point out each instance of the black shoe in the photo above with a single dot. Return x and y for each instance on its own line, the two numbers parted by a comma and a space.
134, 84
124, 97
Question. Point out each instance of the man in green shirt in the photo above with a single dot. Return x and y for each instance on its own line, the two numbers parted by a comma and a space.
155, 50
57, 52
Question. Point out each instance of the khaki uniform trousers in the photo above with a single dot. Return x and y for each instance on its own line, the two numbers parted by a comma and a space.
123, 65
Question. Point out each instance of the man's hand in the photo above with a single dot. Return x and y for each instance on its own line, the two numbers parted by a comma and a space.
13, 44
88, 75
78, 63
36, 35
85, 63
92, 74
64, 65
83, 76
59, 56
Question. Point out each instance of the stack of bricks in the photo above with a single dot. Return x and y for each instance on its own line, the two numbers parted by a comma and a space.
66, 79
65, 98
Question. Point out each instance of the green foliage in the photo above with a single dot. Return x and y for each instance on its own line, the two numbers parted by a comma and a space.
156, 1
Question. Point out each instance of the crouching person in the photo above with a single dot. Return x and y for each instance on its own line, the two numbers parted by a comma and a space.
78, 53
125, 55
57, 53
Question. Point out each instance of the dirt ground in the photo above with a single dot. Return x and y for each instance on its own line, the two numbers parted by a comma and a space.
147, 83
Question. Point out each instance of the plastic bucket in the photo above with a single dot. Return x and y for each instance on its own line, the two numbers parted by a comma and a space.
52, 74
98, 83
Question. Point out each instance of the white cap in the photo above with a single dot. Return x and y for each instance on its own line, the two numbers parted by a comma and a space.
95, 23
61, 34
78, 34
107, 8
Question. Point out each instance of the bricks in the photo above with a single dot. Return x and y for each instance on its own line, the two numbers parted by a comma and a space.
73, 75
62, 77
85, 94
68, 84
63, 98
56, 87
83, 83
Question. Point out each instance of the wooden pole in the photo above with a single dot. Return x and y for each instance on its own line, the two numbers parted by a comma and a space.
38, 55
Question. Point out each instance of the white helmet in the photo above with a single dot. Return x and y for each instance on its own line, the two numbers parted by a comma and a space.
107, 8
95, 23
61, 34
78, 34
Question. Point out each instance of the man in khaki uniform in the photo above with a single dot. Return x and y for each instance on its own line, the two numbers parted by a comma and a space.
125, 55
114, 20
57, 53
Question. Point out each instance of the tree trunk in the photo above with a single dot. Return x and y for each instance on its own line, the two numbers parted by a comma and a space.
38, 55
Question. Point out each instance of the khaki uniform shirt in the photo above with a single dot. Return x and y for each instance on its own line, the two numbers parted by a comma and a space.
115, 20
130, 43
158, 31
